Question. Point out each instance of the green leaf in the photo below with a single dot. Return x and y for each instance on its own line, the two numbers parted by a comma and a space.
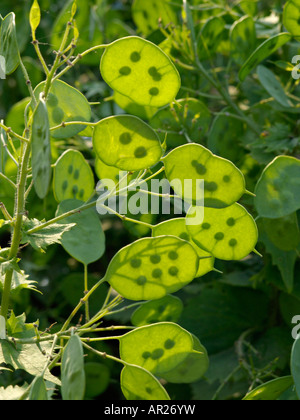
242, 39
139, 384
192, 368
126, 142
224, 184
150, 268
73, 177
157, 348
20, 281
228, 234
291, 16
45, 237
72, 371
278, 189
140, 70
41, 150
8, 43
186, 119
270, 391
38, 390
272, 85
168, 308
65, 104
178, 227
28, 357
148, 14
18, 328
34, 17
267, 48
86, 241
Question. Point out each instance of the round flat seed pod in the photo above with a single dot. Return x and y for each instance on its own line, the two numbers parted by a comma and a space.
157, 348
132, 108
192, 368
224, 183
73, 177
151, 268
291, 17
65, 104
111, 173
127, 143
141, 71
41, 150
228, 234
139, 384
278, 189
169, 308
178, 227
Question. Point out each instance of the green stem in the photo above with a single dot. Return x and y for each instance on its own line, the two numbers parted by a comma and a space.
86, 289
78, 58
81, 303
62, 217
16, 235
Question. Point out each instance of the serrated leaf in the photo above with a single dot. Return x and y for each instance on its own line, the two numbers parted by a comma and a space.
27, 357
12, 393
47, 236
20, 280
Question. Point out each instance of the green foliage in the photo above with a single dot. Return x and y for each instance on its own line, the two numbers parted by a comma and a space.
202, 292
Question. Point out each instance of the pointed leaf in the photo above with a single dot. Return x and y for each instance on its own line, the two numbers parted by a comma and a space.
72, 371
